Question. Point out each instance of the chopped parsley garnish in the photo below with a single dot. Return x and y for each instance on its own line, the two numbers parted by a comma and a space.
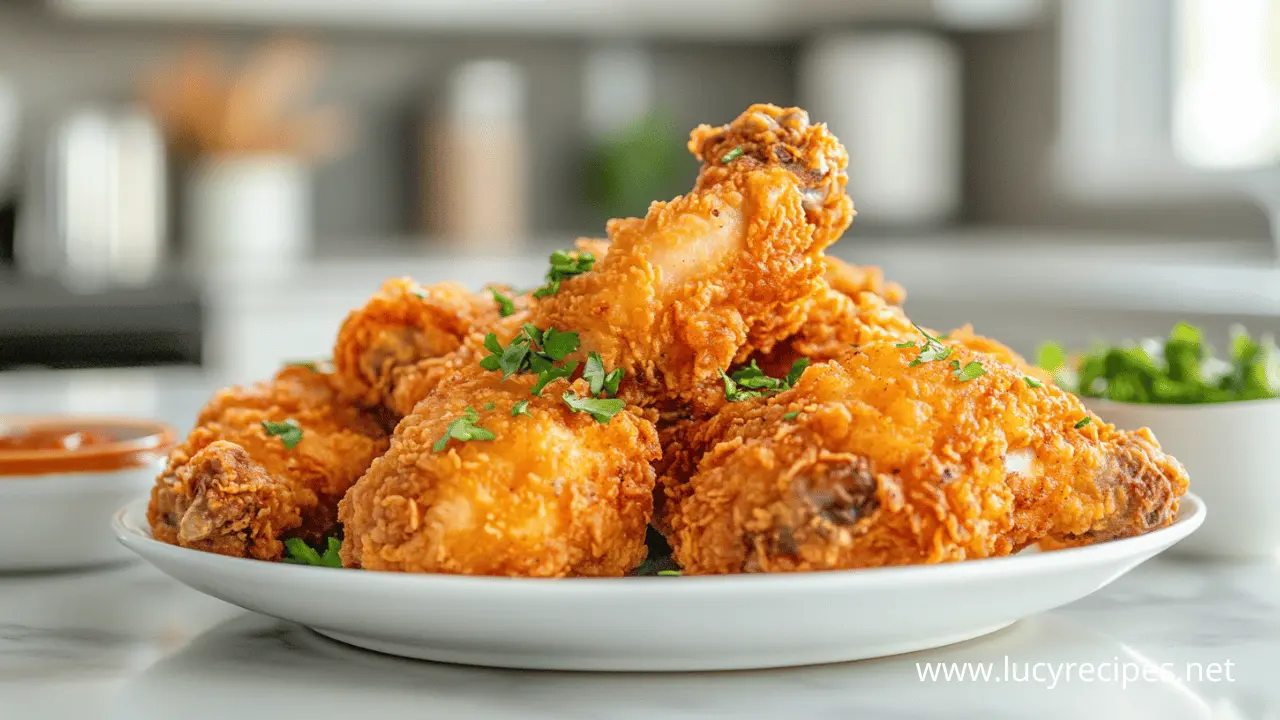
933, 349
1083, 421
791, 415
1181, 369
300, 553
902, 345
601, 381
1032, 382
601, 409
506, 306
288, 432
751, 382
669, 573
564, 265
732, 155
552, 373
521, 407
970, 371
463, 429
489, 406
533, 350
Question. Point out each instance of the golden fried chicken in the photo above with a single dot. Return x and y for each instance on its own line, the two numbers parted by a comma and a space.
543, 492
305, 448
710, 277
871, 461
853, 280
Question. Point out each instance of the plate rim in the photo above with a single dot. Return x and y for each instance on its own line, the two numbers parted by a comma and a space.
135, 536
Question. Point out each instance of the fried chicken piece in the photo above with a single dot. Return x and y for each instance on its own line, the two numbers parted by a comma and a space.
853, 280
338, 442
233, 505
554, 493
888, 464
729, 269
402, 325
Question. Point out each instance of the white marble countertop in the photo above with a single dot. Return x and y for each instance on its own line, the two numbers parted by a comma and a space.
128, 642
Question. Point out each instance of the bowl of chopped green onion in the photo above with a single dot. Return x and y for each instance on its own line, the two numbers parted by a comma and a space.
1220, 416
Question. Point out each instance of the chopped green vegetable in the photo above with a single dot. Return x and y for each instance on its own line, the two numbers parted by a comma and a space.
599, 408
1032, 382
520, 407
732, 155
902, 345
489, 406
751, 382
791, 415
288, 432
553, 373
602, 383
506, 307
669, 573
558, 344
564, 265
1083, 421
1181, 369
463, 429
970, 371
300, 553
932, 350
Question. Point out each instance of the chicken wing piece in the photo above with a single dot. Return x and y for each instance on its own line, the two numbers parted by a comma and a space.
871, 461
305, 446
220, 501
853, 280
710, 277
475, 484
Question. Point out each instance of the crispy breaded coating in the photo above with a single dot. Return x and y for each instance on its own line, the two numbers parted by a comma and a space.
729, 269
889, 464
338, 442
220, 501
853, 280
553, 494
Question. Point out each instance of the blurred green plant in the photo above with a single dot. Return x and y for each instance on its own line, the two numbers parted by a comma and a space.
643, 162
1180, 370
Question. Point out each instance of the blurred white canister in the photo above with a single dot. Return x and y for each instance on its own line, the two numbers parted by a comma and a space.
248, 215
894, 100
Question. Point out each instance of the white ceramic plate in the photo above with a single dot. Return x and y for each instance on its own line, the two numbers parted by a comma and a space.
659, 623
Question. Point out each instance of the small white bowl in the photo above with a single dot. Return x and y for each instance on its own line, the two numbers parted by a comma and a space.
56, 505
1232, 453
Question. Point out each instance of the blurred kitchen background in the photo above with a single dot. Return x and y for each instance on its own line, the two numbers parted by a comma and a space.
216, 182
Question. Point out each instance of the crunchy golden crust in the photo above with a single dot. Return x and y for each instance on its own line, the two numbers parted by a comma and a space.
889, 464
338, 444
403, 323
221, 501
554, 494
711, 277
853, 280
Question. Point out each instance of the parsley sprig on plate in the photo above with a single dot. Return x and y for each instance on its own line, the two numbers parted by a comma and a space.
564, 265
298, 552
751, 382
506, 306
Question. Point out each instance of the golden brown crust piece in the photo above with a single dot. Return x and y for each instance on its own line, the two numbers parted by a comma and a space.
338, 443
888, 464
554, 493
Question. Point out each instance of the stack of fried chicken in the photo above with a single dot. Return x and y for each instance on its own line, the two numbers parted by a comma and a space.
706, 372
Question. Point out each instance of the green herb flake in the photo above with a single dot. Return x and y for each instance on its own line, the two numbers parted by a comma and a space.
601, 409
520, 407
558, 345
298, 552
312, 365
489, 406
1083, 421
669, 573
288, 432
969, 372
506, 306
902, 345
602, 383
732, 155
932, 350
564, 265
1032, 382
751, 382
551, 374
463, 429
791, 415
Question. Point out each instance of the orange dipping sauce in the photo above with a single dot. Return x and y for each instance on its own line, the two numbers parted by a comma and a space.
55, 445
